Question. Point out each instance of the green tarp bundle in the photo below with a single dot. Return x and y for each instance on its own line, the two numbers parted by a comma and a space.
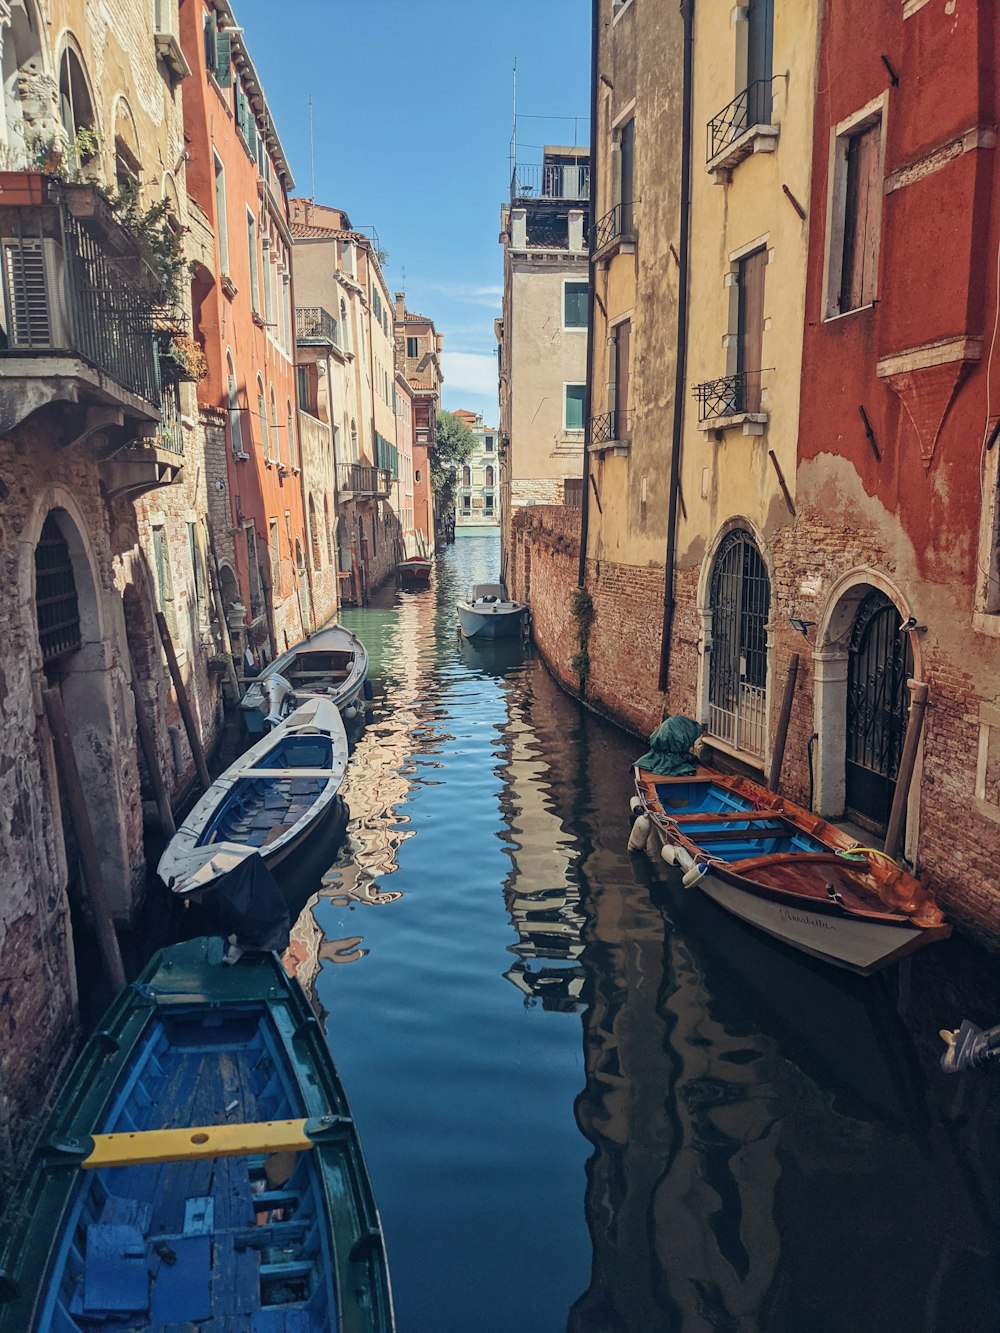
669, 748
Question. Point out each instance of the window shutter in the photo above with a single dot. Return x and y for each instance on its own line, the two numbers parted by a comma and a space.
223, 58
209, 43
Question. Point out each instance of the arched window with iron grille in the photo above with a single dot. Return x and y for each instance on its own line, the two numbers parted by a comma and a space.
740, 603
55, 595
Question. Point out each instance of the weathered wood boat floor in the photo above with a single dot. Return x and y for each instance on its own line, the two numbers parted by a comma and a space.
258, 811
216, 1244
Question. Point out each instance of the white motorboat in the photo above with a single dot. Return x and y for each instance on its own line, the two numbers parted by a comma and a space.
331, 664
269, 801
488, 613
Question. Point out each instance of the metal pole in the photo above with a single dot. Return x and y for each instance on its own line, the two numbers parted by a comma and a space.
152, 758
907, 763
784, 717
194, 740
107, 940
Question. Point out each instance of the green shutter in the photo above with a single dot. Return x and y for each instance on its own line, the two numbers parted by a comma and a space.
223, 58
209, 42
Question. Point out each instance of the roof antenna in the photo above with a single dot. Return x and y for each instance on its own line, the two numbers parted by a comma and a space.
312, 148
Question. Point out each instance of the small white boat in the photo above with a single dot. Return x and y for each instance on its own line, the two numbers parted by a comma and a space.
332, 664
488, 613
269, 801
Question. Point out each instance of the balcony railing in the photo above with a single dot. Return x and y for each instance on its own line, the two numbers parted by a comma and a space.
69, 289
615, 225
611, 427
750, 107
314, 325
550, 180
731, 396
364, 482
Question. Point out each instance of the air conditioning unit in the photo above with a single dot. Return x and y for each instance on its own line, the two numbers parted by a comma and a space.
34, 293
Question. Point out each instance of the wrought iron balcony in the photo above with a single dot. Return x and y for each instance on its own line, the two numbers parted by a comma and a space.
611, 427
615, 225
363, 482
316, 326
551, 180
731, 396
750, 108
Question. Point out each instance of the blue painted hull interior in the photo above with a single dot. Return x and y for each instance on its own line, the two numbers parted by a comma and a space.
197, 1242
310, 751
258, 811
772, 837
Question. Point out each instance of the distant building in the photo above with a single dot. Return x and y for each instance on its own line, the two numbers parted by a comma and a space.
418, 357
476, 496
543, 331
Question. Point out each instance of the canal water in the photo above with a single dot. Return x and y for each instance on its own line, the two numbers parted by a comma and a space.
589, 1099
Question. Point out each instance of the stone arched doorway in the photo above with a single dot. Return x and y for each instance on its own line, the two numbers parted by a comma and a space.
76, 659
863, 661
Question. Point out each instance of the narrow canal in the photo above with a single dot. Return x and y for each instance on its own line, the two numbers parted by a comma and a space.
589, 1099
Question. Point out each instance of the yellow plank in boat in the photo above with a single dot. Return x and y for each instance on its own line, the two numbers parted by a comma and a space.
200, 1141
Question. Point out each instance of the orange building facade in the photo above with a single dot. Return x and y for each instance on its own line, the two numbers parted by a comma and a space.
244, 319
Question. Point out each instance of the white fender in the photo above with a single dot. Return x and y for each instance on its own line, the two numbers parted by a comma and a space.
635, 805
693, 875
668, 853
639, 836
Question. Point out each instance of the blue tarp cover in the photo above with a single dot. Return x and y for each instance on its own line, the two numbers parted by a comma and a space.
669, 748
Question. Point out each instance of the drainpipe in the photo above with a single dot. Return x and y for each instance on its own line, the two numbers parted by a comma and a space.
595, 28
669, 603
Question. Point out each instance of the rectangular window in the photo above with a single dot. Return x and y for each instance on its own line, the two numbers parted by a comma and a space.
252, 257
308, 382
574, 305
750, 329
862, 207
220, 214
195, 554
488, 444
413, 348
256, 599
272, 529
573, 406
268, 270
624, 148
621, 368
265, 433
760, 52
286, 323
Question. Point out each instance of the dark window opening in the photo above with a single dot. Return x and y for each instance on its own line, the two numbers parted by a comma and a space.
862, 207
740, 603
55, 595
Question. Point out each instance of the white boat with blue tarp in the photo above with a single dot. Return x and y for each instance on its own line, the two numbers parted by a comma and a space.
331, 664
200, 1170
275, 796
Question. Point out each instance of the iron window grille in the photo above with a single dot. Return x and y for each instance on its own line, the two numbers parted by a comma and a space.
611, 426
740, 604
615, 225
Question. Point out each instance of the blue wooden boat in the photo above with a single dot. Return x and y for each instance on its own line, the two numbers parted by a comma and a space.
200, 1170
269, 801
784, 870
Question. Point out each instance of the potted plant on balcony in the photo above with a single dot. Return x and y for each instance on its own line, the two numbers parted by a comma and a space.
47, 155
183, 359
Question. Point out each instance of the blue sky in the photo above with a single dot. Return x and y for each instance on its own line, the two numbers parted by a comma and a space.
412, 128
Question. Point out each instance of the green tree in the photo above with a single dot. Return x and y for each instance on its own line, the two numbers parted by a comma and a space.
453, 445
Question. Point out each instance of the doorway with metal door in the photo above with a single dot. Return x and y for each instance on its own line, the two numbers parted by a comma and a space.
879, 663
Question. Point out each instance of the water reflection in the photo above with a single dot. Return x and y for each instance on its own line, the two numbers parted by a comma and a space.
589, 1098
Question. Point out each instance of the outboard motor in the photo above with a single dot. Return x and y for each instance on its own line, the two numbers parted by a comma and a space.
969, 1047
280, 698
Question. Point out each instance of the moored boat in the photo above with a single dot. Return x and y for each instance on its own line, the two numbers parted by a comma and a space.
331, 664
200, 1169
488, 613
414, 571
270, 800
786, 871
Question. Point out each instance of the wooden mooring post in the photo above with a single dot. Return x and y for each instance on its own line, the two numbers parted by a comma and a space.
152, 759
784, 718
907, 763
107, 940
183, 703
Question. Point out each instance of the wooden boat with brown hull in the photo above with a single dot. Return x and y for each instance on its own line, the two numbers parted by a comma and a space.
787, 871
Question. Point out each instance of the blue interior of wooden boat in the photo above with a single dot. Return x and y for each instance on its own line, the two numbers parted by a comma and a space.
742, 844
699, 798
312, 751
206, 1243
257, 811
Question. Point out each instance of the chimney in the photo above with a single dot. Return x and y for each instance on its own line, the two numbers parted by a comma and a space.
576, 229
438, 342
400, 305
518, 228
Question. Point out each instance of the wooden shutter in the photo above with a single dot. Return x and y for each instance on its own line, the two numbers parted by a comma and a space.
861, 219
750, 343
223, 58
627, 177
623, 341
760, 56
